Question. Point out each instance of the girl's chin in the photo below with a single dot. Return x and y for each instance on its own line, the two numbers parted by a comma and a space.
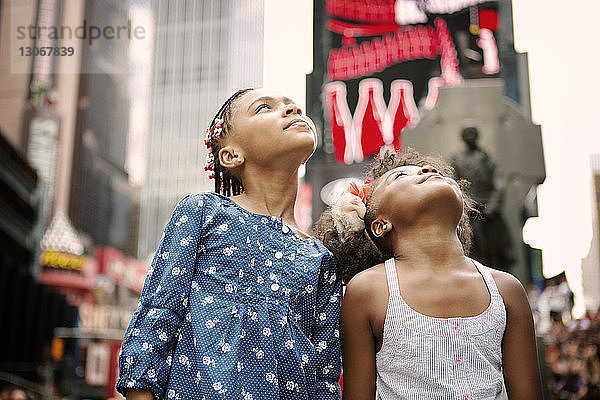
309, 156
307, 143
299, 148
312, 150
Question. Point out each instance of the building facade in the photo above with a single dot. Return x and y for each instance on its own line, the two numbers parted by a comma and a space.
204, 51
381, 72
103, 202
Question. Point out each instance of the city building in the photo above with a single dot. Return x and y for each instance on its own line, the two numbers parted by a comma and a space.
590, 264
204, 51
29, 310
14, 88
389, 75
69, 203
103, 204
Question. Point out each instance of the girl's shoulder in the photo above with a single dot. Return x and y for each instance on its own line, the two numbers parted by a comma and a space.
366, 296
510, 288
201, 207
368, 283
196, 199
504, 280
202, 200
210, 197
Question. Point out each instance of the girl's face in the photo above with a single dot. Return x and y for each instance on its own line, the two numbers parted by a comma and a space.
405, 194
267, 126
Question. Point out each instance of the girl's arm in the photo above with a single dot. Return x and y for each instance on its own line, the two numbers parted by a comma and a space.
133, 394
519, 356
325, 332
147, 348
358, 342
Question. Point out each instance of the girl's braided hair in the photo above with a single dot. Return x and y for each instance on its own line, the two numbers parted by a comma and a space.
361, 250
225, 182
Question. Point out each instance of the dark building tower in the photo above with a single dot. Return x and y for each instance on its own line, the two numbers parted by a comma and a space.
103, 202
204, 51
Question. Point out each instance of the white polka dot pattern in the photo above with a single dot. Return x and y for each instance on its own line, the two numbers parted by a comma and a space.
235, 306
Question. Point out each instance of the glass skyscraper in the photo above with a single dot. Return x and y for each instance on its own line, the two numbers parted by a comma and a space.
103, 202
203, 52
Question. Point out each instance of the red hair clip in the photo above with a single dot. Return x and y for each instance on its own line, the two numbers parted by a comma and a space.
362, 190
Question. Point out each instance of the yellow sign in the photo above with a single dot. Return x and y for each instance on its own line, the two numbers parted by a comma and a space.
60, 260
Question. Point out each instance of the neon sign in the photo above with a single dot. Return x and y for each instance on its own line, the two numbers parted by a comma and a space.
388, 57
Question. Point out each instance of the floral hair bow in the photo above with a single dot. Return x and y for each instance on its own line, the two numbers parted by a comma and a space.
349, 211
361, 191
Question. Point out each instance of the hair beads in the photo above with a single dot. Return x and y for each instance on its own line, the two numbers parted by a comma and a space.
213, 132
225, 182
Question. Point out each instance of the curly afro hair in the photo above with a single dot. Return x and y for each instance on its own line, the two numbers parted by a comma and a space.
361, 250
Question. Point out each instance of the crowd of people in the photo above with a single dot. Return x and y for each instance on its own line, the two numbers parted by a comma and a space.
571, 346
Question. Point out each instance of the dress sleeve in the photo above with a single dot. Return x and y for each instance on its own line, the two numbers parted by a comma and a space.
326, 334
146, 351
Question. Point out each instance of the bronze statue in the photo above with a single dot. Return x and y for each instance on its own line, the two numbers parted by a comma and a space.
492, 244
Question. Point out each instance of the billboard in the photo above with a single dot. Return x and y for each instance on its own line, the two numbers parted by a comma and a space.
386, 60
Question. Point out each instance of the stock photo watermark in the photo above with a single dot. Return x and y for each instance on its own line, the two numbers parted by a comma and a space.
98, 43
87, 33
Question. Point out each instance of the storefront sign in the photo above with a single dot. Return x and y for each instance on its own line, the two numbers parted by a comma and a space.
127, 271
57, 260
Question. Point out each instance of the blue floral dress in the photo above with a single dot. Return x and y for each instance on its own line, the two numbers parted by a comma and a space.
235, 306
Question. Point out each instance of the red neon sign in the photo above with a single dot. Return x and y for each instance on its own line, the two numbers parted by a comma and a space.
374, 125
398, 43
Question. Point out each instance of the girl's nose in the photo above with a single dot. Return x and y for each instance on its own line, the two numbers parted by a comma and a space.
291, 109
428, 169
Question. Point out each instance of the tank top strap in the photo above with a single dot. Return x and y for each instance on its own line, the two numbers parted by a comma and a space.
487, 277
392, 277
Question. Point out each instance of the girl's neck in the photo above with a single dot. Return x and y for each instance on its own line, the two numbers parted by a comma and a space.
434, 247
270, 193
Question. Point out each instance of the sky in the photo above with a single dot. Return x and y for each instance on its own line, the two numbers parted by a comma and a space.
288, 47
563, 46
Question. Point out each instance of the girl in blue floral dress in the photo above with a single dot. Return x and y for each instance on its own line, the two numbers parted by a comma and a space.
238, 302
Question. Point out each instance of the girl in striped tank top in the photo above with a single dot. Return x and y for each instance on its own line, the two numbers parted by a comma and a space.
426, 322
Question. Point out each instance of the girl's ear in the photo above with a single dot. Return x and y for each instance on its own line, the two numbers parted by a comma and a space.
380, 227
230, 157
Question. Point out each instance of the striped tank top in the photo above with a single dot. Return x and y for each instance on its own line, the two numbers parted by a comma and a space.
425, 357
